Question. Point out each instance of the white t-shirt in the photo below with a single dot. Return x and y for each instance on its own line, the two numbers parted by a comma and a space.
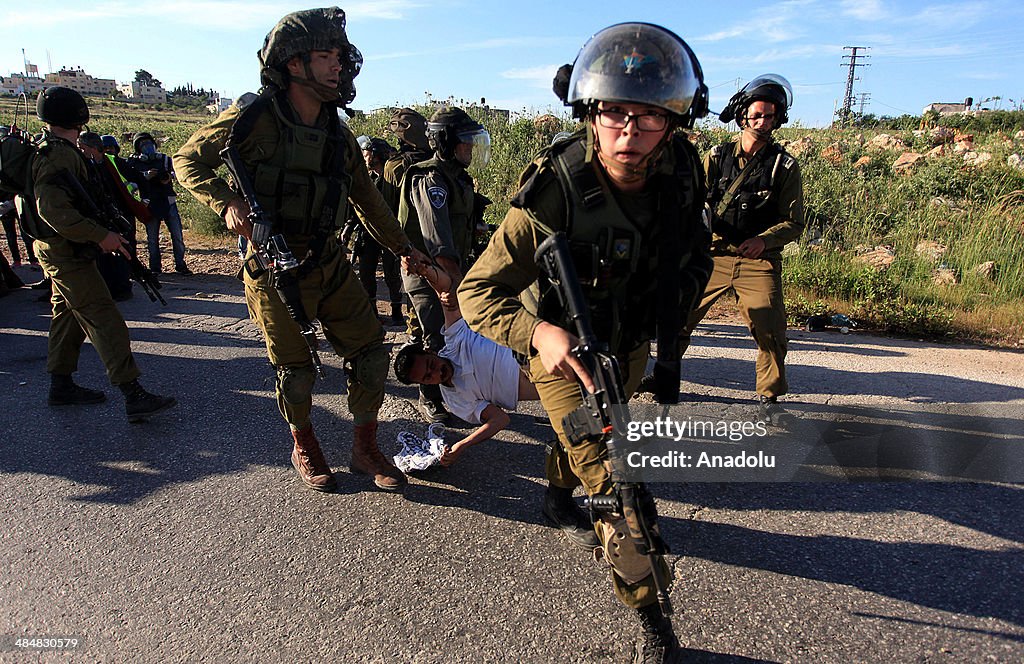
484, 373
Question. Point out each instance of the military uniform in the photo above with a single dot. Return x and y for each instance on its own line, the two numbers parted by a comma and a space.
616, 239
66, 245
369, 253
768, 204
436, 211
391, 190
286, 161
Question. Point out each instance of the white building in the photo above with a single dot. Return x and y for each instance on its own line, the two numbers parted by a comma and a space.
147, 94
220, 105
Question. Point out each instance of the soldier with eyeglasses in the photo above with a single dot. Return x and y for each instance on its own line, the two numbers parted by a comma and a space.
628, 191
756, 205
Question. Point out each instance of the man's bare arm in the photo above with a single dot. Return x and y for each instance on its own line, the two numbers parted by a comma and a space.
494, 419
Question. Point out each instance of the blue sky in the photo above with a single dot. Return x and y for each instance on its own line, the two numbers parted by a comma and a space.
507, 52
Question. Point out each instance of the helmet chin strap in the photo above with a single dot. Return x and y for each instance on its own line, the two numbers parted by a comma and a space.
629, 173
324, 93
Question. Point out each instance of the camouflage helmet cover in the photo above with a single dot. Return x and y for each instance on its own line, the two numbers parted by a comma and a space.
410, 127
309, 30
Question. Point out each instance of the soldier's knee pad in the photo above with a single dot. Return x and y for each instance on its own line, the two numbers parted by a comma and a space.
619, 551
295, 384
370, 369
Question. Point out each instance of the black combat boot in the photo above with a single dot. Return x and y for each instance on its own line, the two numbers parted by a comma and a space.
397, 318
563, 512
770, 412
660, 645
140, 405
64, 392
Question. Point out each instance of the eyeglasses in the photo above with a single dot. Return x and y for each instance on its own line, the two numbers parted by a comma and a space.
650, 121
756, 117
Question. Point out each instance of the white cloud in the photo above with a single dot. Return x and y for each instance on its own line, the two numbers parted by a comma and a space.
485, 45
538, 77
864, 10
234, 15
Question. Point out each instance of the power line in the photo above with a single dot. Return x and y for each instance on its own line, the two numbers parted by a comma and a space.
848, 100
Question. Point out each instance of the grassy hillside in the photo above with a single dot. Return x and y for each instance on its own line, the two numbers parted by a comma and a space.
931, 224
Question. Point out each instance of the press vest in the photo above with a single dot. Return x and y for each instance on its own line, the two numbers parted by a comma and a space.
460, 205
754, 207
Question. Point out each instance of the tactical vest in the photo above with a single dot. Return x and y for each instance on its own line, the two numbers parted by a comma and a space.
31, 223
618, 260
460, 206
753, 209
294, 184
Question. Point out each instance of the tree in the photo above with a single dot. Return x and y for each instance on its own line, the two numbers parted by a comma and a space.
144, 77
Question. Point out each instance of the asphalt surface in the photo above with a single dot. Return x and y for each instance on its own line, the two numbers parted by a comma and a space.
189, 537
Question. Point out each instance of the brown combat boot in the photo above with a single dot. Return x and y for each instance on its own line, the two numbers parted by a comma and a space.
368, 460
309, 461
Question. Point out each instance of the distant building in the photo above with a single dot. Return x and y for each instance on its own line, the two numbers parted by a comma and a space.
83, 83
219, 105
146, 94
15, 84
949, 109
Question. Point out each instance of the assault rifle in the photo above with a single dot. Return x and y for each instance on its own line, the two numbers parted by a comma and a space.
272, 253
113, 220
600, 416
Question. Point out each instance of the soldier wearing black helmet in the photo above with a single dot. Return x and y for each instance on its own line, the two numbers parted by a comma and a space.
628, 191
306, 168
437, 211
755, 200
68, 241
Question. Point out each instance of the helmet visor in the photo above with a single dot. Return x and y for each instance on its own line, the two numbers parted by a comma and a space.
771, 86
638, 63
480, 139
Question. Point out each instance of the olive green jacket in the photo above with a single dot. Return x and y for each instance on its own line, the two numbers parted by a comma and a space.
196, 161
53, 200
789, 200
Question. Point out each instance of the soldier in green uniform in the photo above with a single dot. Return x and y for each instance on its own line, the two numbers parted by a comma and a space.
756, 202
628, 191
67, 243
306, 166
436, 210
410, 128
368, 251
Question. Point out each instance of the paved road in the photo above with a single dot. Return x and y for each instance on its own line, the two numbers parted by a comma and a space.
189, 538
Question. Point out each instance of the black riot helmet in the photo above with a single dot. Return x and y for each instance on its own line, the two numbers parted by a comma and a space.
379, 147
140, 138
302, 32
450, 126
410, 127
62, 107
636, 63
110, 144
771, 88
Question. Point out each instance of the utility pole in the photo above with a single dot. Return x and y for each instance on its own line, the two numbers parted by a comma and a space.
848, 100
865, 97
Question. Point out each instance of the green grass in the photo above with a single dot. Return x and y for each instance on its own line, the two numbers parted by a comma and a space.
977, 213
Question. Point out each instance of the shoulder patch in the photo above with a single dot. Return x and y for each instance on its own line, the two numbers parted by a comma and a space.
438, 197
787, 161
246, 100
717, 150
